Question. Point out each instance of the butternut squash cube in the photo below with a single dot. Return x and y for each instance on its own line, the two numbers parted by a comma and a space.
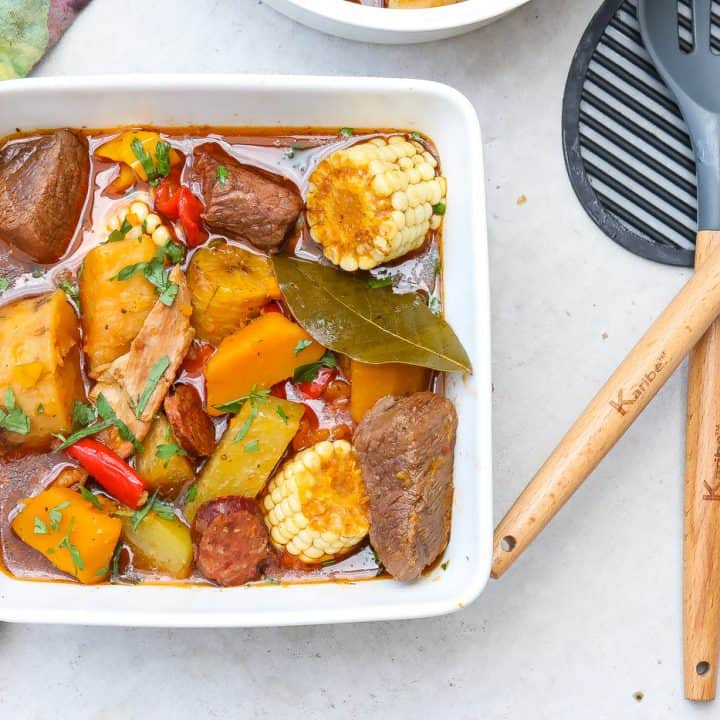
264, 352
74, 535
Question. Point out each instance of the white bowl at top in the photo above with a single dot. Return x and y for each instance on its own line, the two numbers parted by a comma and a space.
381, 25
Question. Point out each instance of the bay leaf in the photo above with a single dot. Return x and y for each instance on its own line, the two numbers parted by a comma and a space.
373, 325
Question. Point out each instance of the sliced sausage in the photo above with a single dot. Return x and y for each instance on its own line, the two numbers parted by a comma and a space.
234, 547
192, 427
220, 506
247, 203
406, 449
43, 183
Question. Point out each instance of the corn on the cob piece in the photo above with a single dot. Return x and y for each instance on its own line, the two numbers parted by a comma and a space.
374, 201
316, 507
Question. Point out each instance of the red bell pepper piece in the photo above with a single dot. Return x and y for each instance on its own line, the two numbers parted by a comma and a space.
111, 471
273, 307
315, 388
189, 209
167, 198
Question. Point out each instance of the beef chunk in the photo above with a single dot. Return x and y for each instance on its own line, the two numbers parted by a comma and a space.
43, 184
406, 455
245, 202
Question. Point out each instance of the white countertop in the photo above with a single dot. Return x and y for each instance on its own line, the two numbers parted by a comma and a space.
591, 614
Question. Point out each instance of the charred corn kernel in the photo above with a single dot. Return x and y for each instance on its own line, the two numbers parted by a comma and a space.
152, 222
316, 506
161, 236
372, 202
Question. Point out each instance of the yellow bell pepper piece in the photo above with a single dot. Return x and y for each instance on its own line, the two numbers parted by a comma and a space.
120, 149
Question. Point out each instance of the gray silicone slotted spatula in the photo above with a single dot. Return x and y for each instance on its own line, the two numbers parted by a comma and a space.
678, 38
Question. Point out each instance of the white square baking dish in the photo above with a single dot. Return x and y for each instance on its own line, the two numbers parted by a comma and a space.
223, 100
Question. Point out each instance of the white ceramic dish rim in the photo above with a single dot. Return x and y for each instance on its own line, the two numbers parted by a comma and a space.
193, 97
468, 12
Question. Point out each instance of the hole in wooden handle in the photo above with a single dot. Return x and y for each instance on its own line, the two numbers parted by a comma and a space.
703, 667
508, 543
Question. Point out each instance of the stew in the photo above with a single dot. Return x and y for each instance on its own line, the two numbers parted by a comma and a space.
406, 4
221, 356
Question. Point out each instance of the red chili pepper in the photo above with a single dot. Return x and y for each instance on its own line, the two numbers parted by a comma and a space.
316, 387
189, 210
167, 198
111, 471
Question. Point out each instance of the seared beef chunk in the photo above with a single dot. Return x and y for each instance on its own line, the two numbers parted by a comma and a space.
245, 202
192, 428
406, 454
232, 541
43, 183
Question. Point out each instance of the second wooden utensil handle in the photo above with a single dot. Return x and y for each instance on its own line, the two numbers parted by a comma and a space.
610, 413
701, 546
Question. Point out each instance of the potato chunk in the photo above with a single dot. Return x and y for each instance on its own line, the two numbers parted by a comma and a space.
229, 286
40, 362
114, 311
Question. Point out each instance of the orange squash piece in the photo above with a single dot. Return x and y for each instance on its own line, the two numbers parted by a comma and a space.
368, 383
262, 353
74, 535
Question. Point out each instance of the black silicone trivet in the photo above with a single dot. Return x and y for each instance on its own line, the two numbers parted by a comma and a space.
627, 149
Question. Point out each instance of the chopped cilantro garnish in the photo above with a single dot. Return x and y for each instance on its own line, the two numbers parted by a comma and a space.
119, 233
156, 373
12, 417
308, 372
191, 493
39, 527
282, 414
245, 427
378, 282
167, 450
4, 283
301, 345
83, 414
221, 175
439, 208
254, 396
434, 305
346, 132
90, 497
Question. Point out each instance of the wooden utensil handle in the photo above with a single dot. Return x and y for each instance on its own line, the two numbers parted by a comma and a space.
701, 546
610, 413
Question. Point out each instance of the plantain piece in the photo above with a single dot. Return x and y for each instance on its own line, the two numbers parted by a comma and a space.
374, 202
229, 286
316, 507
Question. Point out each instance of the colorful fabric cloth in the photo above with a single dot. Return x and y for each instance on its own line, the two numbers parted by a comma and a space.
29, 28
